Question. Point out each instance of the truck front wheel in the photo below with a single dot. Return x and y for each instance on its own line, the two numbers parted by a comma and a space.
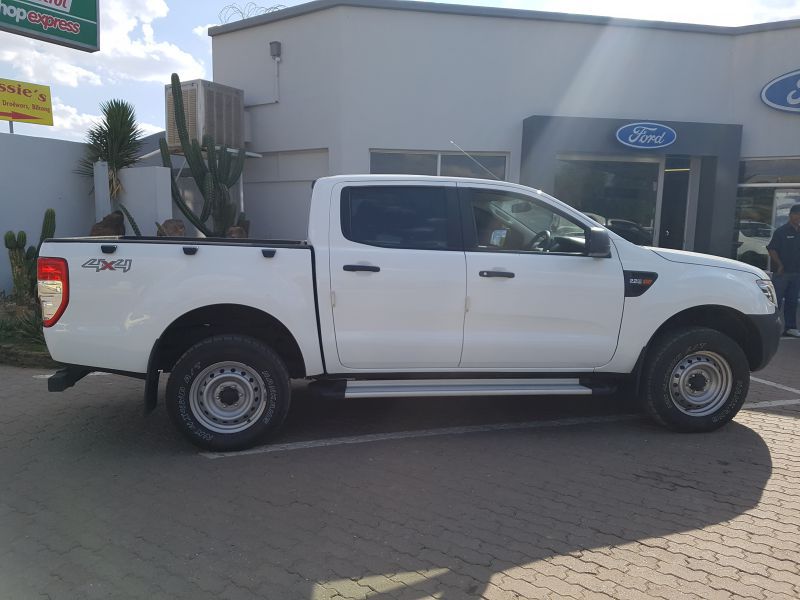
228, 392
695, 379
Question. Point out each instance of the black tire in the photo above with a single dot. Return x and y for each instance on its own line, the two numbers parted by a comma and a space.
252, 388
666, 382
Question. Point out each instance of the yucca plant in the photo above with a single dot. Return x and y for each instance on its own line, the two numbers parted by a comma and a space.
115, 139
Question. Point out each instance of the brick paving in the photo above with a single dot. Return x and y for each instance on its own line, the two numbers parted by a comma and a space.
98, 500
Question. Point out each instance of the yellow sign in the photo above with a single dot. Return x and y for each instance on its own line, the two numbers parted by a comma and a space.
25, 102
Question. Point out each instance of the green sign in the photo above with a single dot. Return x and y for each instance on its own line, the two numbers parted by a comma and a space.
71, 23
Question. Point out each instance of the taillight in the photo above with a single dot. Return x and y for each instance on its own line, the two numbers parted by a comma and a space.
53, 288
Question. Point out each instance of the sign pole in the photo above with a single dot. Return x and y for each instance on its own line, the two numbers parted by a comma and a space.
11, 127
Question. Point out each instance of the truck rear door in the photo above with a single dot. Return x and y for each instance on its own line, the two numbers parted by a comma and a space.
398, 275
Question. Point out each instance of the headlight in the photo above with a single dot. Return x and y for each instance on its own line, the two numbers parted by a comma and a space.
768, 289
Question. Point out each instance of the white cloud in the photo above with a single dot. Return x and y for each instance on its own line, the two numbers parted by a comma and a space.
71, 124
129, 51
201, 31
150, 129
40, 67
68, 123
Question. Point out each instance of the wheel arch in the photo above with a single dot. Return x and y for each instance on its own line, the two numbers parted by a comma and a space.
216, 319
724, 319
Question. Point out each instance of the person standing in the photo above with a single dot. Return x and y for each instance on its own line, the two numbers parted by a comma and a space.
784, 250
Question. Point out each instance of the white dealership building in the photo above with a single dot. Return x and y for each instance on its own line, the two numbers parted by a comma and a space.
678, 135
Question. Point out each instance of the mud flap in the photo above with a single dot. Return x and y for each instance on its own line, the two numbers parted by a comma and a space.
151, 381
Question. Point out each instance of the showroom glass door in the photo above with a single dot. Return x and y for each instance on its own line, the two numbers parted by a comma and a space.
642, 199
620, 193
675, 194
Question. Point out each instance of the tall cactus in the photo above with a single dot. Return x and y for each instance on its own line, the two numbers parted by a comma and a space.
214, 175
48, 228
23, 262
20, 273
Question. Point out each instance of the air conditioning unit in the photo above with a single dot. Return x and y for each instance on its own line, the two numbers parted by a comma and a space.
211, 109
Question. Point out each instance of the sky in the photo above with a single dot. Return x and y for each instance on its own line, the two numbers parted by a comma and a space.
143, 41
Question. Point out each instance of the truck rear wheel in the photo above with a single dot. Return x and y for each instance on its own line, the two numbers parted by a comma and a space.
228, 392
695, 379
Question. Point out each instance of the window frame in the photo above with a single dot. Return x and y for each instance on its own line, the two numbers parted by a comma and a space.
743, 160
469, 226
455, 240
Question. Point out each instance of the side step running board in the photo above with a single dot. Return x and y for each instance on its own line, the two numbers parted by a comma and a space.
466, 387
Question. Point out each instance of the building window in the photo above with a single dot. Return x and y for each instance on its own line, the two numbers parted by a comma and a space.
403, 163
769, 170
481, 165
768, 188
458, 165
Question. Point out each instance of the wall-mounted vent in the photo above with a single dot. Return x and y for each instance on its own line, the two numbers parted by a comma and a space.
211, 109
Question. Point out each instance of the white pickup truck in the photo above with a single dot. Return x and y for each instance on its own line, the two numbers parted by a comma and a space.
408, 286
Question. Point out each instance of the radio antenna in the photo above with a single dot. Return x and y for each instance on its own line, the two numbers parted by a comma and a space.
465, 153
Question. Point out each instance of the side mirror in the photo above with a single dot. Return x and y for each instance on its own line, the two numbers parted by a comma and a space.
598, 244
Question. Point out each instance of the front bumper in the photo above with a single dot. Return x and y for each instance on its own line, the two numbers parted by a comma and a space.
769, 330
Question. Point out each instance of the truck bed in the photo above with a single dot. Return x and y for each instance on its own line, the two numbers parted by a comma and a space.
124, 292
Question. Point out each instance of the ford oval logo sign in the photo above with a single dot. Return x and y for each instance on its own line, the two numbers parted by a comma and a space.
783, 92
647, 136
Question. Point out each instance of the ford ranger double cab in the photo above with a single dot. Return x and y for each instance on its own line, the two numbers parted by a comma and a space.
408, 286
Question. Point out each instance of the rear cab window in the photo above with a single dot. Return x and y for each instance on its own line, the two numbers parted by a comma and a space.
412, 217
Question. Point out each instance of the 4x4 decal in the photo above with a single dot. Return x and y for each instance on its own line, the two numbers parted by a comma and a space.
99, 264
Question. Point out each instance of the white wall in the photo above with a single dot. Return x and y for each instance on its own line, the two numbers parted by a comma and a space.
278, 192
474, 79
308, 115
148, 197
37, 174
760, 58
352, 79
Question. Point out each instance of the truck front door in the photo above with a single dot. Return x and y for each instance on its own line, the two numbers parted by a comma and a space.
535, 299
398, 275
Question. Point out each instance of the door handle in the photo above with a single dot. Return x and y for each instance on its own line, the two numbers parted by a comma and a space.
506, 274
367, 268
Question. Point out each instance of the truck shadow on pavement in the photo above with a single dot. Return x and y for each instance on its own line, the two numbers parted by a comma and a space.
447, 517
450, 515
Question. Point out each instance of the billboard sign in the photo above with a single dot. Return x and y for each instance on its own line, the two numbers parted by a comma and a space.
25, 102
71, 23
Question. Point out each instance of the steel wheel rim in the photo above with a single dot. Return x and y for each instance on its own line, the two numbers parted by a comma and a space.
227, 397
701, 383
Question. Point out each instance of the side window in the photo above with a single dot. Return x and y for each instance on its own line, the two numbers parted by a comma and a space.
412, 217
505, 221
